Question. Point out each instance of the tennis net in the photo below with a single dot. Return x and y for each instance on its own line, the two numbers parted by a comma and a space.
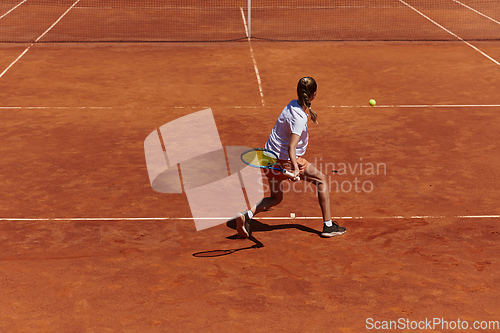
27, 21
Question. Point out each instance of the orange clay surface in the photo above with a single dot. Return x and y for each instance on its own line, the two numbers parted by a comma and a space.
73, 120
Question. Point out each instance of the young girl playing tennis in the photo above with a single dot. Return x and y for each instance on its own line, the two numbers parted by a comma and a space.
288, 140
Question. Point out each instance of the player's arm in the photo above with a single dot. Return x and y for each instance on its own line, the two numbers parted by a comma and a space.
292, 152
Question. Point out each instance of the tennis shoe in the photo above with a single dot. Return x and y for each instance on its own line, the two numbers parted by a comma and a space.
243, 225
334, 230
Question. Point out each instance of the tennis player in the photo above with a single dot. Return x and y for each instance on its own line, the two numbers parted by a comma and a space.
289, 139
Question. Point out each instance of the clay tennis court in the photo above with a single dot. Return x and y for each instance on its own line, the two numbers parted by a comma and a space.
88, 246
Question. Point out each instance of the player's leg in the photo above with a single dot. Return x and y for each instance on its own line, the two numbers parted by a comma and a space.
314, 176
276, 196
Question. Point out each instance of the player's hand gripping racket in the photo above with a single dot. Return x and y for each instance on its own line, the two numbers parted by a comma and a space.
264, 159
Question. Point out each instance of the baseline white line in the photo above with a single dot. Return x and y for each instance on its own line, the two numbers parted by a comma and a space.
451, 33
476, 11
40, 37
256, 69
396, 217
19, 4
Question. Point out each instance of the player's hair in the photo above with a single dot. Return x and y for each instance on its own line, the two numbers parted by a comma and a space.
305, 89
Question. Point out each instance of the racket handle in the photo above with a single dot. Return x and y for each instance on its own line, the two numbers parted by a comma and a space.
289, 174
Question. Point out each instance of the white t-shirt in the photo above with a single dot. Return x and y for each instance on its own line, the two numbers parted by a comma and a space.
291, 120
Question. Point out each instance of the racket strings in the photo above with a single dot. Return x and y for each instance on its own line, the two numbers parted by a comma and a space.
259, 158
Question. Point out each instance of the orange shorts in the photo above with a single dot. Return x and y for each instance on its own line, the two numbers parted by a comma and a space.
287, 165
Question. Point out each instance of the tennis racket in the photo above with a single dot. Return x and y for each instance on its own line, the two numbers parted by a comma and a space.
264, 159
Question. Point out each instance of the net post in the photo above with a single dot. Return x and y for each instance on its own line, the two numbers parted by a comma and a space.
249, 19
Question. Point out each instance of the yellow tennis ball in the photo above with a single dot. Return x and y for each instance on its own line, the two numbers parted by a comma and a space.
372, 102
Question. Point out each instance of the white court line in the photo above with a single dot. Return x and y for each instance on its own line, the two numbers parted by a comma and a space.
451, 33
256, 107
19, 4
53, 107
478, 12
40, 37
422, 106
137, 219
253, 58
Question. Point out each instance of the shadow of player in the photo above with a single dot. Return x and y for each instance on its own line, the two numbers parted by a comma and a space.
257, 226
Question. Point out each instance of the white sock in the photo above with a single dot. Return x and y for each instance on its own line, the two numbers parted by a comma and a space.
328, 223
250, 214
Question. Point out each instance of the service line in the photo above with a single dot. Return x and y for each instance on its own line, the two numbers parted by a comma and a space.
254, 107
